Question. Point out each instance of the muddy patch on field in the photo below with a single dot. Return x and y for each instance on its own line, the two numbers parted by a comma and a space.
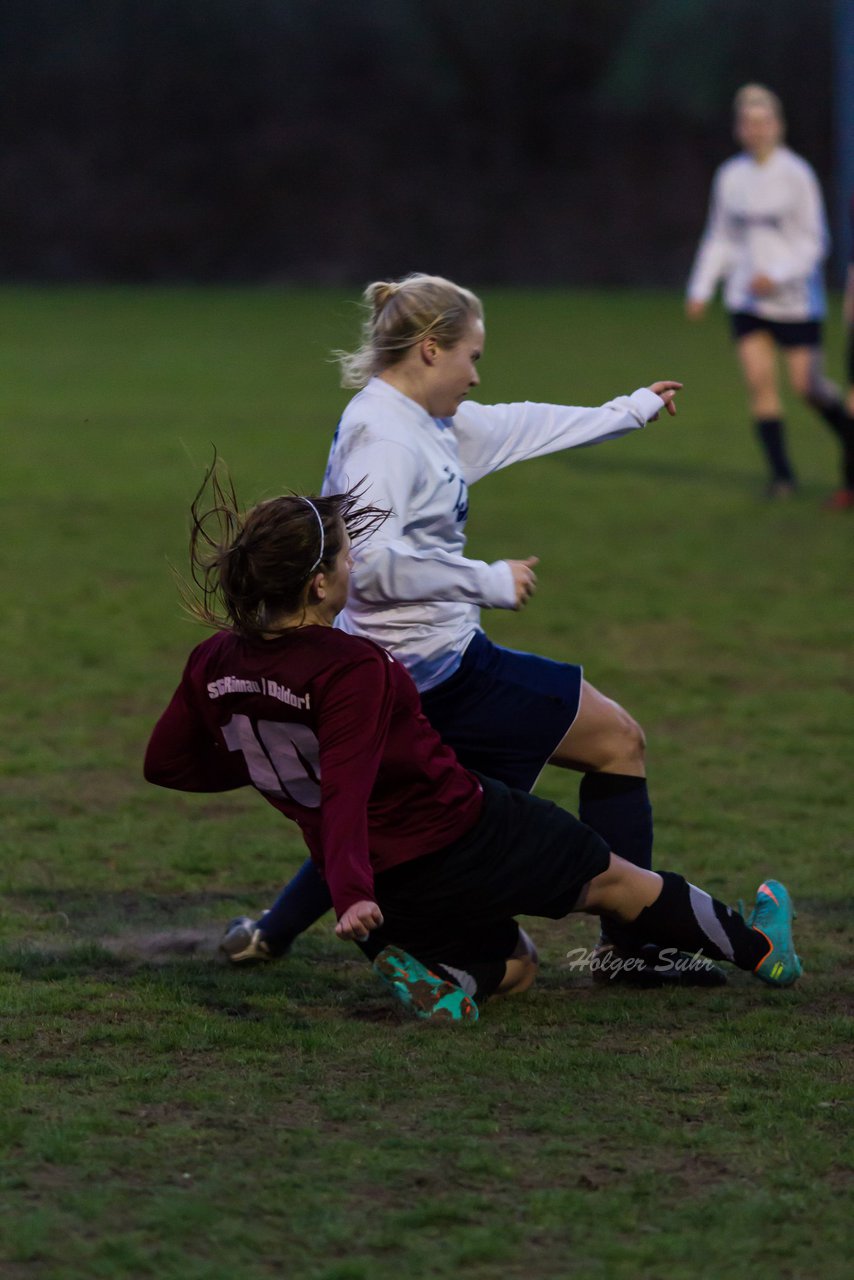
163, 944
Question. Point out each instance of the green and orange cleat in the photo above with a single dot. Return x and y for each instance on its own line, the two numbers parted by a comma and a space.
421, 991
772, 917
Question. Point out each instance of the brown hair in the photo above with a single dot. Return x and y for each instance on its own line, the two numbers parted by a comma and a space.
249, 568
403, 313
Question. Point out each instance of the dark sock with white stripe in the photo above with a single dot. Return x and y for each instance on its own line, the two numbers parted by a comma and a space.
772, 438
302, 901
688, 918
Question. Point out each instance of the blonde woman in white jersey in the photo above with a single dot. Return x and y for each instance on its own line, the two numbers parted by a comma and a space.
418, 443
766, 239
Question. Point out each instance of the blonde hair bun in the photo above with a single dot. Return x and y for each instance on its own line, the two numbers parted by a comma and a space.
379, 293
424, 306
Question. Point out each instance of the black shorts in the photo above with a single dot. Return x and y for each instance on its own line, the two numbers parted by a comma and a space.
524, 856
786, 333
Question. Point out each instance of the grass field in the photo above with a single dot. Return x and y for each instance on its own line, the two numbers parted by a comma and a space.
163, 1116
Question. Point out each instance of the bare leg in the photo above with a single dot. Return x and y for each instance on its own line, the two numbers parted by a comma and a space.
805, 366
604, 738
521, 967
809, 381
758, 359
682, 916
622, 891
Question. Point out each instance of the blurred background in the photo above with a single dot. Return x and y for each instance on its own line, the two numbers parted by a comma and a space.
325, 142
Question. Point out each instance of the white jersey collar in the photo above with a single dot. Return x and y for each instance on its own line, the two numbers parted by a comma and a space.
379, 387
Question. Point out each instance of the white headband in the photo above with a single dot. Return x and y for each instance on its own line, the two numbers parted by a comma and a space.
319, 559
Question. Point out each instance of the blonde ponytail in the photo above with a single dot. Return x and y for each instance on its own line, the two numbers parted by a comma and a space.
403, 313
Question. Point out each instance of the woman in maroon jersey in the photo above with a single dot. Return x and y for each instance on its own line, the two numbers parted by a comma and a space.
420, 855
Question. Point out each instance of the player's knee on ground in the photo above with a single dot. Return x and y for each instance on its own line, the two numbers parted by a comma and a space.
521, 968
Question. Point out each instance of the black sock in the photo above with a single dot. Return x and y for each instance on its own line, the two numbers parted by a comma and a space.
686, 917
842, 424
617, 806
772, 438
302, 901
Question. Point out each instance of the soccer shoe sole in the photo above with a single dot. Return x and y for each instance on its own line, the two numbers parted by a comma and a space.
421, 991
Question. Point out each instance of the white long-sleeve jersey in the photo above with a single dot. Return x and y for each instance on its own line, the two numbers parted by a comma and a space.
412, 589
764, 219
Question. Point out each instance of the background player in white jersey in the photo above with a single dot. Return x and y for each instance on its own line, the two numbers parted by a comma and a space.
419, 444
766, 238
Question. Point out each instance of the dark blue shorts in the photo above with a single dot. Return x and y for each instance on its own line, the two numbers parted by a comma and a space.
786, 333
505, 712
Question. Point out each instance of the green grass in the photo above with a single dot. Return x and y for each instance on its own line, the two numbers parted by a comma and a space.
163, 1116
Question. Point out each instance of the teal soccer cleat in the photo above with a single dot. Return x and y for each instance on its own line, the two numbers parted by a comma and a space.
772, 917
421, 991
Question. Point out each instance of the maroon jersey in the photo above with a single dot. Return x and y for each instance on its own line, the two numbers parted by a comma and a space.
329, 728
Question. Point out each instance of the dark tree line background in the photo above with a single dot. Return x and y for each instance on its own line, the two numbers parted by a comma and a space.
541, 141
